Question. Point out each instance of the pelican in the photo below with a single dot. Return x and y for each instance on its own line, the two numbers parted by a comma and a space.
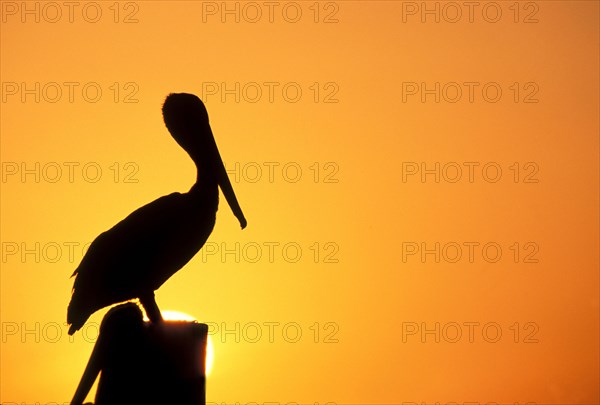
136, 256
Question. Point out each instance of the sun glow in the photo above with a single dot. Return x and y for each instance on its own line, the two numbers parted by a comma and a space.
181, 316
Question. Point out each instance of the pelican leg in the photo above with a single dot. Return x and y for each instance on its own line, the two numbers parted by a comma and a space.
149, 303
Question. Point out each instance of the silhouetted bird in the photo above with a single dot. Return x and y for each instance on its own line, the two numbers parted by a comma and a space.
136, 256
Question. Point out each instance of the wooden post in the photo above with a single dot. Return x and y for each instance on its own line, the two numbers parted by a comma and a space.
156, 364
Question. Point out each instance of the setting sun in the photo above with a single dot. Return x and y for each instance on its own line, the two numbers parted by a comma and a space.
180, 316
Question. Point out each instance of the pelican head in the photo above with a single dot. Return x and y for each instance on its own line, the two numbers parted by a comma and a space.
186, 119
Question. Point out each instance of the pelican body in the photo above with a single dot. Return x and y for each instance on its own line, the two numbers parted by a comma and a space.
137, 255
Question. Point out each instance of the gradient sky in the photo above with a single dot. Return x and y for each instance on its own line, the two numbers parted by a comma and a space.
355, 259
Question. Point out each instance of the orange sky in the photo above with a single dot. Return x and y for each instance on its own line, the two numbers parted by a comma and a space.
335, 120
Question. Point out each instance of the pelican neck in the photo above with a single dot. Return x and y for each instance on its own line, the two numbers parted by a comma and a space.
203, 183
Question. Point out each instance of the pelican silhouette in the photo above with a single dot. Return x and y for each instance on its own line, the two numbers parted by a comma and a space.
136, 256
